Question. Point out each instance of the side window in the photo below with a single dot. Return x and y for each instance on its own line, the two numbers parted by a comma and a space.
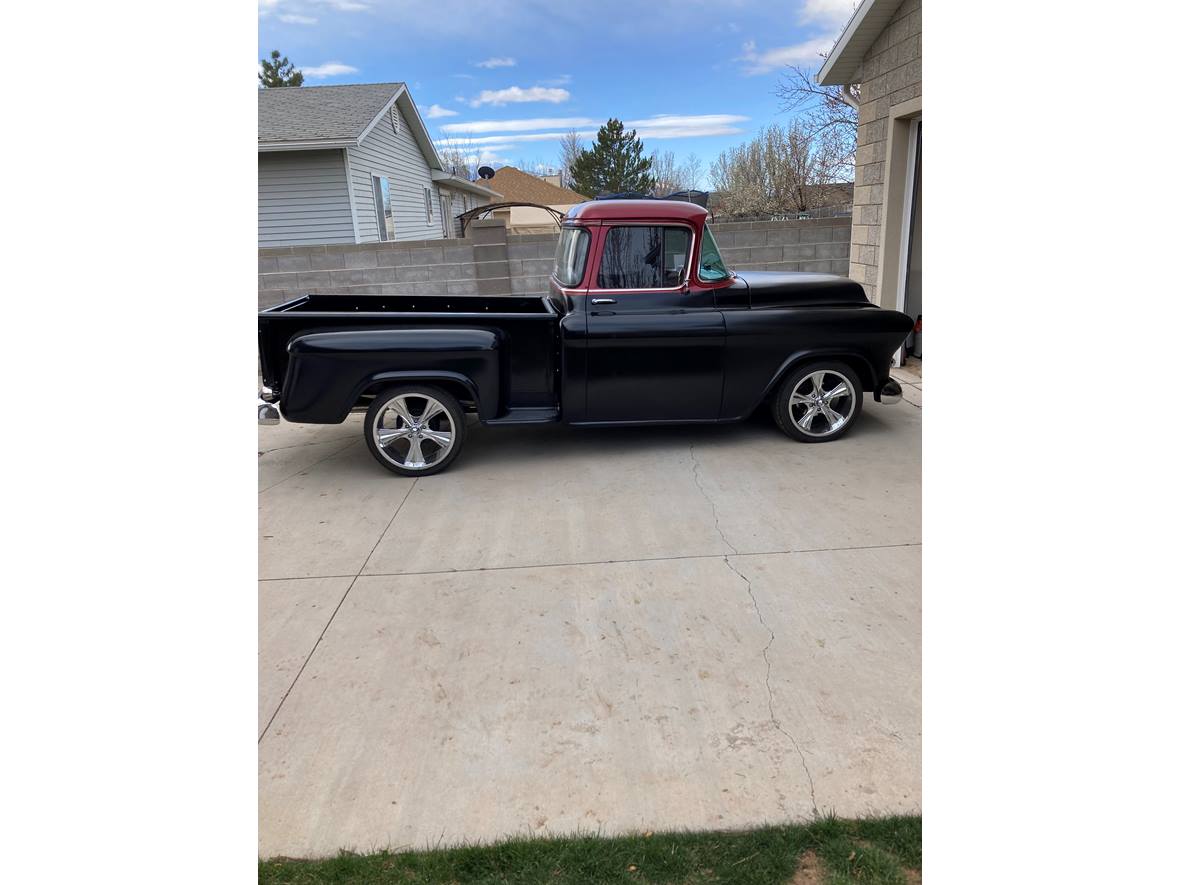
572, 248
644, 257
384, 205
429, 205
712, 268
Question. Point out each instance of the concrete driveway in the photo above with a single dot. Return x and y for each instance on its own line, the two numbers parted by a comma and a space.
596, 630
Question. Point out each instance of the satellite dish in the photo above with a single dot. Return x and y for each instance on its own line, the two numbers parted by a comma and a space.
486, 172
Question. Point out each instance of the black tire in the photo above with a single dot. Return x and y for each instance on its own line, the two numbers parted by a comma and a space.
791, 419
450, 420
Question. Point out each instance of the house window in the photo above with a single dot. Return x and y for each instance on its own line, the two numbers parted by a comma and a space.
382, 200
429, 205
445, 207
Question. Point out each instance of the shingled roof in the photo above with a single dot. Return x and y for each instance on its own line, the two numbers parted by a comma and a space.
320, 113
514, 185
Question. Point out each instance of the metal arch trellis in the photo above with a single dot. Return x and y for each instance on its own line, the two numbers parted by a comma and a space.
472, 214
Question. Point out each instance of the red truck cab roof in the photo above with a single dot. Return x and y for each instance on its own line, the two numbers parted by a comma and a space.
638, 210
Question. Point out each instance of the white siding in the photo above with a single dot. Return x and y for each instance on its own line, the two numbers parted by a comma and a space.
398, 158
303, 199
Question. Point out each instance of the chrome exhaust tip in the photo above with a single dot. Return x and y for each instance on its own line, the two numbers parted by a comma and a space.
268, 413
889, 393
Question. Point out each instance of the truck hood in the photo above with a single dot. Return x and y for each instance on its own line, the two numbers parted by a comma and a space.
787, 289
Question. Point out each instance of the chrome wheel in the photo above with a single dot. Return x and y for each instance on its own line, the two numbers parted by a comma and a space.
414, 431
822, 403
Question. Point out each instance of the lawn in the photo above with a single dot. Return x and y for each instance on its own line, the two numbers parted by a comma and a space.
877, 851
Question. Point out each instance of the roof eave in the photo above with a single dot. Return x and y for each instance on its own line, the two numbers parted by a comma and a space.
462, 183
843, 64
320, 144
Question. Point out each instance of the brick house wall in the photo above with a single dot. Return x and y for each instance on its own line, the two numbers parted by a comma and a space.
892, 74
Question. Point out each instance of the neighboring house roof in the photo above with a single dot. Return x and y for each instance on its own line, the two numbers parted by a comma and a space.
322, 117
516, 186
843, 64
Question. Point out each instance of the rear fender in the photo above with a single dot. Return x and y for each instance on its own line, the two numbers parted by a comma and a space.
328, 371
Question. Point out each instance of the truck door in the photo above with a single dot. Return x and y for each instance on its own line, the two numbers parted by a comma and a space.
654, 339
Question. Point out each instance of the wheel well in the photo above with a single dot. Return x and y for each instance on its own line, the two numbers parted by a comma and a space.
456, 389
856, 362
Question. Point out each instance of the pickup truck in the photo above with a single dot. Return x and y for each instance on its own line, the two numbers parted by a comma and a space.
642, 324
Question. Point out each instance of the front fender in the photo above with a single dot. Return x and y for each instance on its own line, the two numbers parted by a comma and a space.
328, 371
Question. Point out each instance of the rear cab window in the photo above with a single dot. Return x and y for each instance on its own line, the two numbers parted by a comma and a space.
638, 256
573, 245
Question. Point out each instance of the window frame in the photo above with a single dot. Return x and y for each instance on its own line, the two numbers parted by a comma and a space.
689, 263
585, 232
428, 202
384, 223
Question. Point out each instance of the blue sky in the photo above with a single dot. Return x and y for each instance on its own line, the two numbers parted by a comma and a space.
505, 79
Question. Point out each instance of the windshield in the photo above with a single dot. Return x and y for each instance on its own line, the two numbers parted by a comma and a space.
712, 267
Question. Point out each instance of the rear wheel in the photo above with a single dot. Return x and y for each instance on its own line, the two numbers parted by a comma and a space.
415, 430
819, 402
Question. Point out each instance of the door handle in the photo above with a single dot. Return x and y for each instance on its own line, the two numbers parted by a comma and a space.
602, 301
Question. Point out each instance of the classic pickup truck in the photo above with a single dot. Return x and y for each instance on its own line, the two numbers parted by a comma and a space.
643, 324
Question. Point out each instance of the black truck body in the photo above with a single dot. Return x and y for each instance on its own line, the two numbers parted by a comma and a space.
693, 344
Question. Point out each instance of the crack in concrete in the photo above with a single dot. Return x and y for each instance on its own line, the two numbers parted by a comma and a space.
309, 466
318, 442
696, 476
774, 720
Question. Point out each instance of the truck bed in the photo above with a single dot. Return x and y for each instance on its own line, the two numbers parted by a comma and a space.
528, 325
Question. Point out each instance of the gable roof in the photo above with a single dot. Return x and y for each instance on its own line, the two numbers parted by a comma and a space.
514, 185
320, 117
842, 66
320, 113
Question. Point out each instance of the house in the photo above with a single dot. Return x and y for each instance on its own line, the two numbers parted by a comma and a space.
352, 164
512, 185
881, 49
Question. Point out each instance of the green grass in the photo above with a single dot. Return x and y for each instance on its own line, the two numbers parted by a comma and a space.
867, 852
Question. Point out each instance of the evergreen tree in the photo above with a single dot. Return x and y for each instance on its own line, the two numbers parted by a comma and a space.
279, 72
615, 163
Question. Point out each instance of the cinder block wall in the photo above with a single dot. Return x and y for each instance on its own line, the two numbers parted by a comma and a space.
492, 262
892, 74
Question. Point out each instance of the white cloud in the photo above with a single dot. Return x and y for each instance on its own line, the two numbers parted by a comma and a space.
496, 62
293, 19
462, 141
514, 94
328, 69
827, 12
435, 111
804, 54
511, 132
686, 125
478, 126
346, 5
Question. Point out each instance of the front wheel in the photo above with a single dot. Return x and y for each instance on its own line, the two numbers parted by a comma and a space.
818, 403
415, 430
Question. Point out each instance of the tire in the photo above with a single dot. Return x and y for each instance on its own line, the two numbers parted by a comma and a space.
812, 420
405, 444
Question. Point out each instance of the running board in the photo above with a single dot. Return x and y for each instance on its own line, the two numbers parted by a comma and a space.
526, 416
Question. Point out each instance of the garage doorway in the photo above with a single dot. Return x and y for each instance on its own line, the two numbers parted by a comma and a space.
909, 284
